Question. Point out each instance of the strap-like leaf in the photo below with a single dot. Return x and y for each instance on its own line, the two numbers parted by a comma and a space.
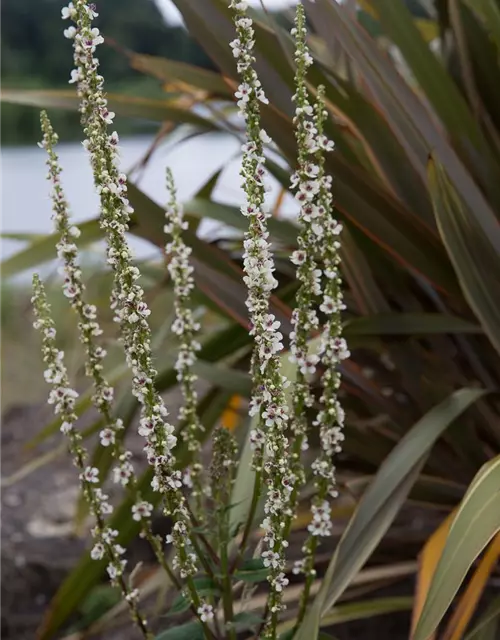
476, 522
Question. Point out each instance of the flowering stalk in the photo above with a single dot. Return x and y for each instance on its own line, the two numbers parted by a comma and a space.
89, 329
63, 398
304, 317
185, 328
268, 401
333, 349
131, 311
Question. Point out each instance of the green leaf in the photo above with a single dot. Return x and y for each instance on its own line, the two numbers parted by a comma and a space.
475, 258
490, 12
409, 118
366, 609
476, 522
100, 600
43, 249
487, 624
171, 70
438, 86
408, 324
252, 570
246, 620
381, 502
22, 236
205, 586
122, 105
229, 379
279, 229
358, 611
188, 631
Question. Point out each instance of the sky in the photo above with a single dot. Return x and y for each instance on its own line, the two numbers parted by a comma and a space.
173, 16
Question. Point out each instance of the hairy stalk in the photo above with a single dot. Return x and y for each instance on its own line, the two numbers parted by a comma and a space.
222, 477
89, 330
268, 401
63, 398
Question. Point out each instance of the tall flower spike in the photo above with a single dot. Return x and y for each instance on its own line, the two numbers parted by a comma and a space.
73, 288
185, 328
269, 439
333, 349
63, 397
89, 329
304, 318
131, 310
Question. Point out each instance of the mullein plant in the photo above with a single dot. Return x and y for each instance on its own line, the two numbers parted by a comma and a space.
198, 502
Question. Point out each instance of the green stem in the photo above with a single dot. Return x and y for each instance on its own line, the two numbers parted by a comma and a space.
310, 575
227, 590
250, 519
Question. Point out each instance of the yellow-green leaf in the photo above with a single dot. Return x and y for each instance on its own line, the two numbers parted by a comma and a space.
476, 522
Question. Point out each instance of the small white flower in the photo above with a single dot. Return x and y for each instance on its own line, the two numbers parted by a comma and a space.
91, 474
243, 93
97, 552
142, 510
298, 257
70, 32
265, 138
206, 612
107, 437
68, 12
75, 76
107, 116
280, 582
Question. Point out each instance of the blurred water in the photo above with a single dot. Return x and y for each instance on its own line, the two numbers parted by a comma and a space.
25, 202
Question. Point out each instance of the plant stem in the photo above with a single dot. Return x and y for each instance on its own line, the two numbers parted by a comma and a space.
227, 590
250, 518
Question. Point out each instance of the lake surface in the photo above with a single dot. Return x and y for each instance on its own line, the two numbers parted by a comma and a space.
25, 202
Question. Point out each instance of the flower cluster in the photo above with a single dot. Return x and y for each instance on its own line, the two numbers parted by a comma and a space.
185, 328
269, 439
63, 397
